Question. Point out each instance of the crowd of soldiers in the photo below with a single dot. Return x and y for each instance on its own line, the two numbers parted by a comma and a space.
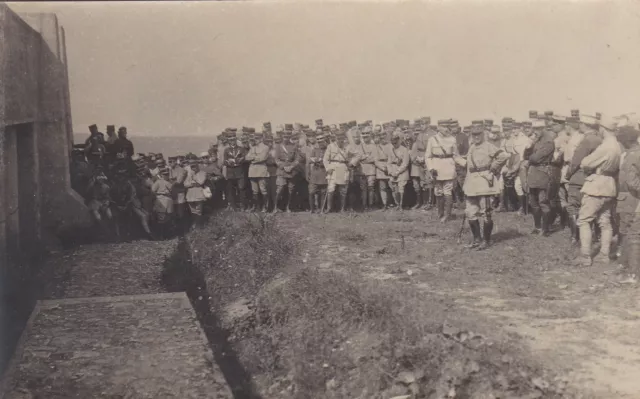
556, 168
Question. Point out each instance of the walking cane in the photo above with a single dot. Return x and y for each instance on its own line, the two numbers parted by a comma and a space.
464, 218
326, 195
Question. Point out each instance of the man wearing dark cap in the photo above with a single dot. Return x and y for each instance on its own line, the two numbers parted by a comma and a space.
123, 147
336, 161
484, 163
317, 175
381, 158
258, 174
441, 157
539, 157
630, 182
358, 183
234, 157
417, 149
125, 198
586, 141
398, 167
287, 158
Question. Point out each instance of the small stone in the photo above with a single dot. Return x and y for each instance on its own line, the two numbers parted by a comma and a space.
406, 377
540, 384
409, 272
401, 397
325, 365
331, 384
563, 286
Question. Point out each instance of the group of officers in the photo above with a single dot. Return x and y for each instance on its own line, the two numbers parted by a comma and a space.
556, 168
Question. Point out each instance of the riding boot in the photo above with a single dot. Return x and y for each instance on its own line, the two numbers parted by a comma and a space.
401, 197
265, 203
585, 246
312, 201
278, 198
289, 198
633, 260
440, 206
487, 230
371, 196
447, 205
329, 202
546, 222
537, 221
523, 205
363, 200
343, 200
429, 202
419, 200
475, 230
564, 218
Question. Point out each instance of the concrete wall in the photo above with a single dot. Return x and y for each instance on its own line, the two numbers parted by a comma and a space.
36, 199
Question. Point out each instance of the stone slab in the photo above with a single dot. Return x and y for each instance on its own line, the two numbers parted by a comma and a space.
140, 346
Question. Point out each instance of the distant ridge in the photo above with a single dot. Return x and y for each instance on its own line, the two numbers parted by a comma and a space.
167, 145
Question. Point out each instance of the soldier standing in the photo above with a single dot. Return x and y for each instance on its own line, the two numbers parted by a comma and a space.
600, 191
521, 142
441, 151
484, 162
539, 176
418, 178
234, 157
630, 181
336, 162
222, 146
194, 183
398, 166
381, 159
317, 175
358, 184
177, 176
287, 159
258, 173
368, 167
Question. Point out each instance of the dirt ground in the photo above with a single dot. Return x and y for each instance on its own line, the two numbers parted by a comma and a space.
579, 323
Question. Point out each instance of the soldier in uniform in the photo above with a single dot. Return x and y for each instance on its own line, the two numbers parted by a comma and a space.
462, 140
223, 144
523, 141
442, 150
317, 175
368, 167
380, 162
258, 173
177, 176
194, 183
484, 163
600, 191
630, 182
336, 162
416, 154
555, 166
163, 201
287, 159
398, 168
539, 176
358, 183
234, 157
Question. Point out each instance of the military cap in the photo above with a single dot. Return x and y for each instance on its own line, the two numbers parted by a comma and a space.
573, 120
232, 129
538, 124
495, 129
516, 125
478, 122
488, 122
319, 122
548, 114
526, 124
94, 126
326, 128
366, 131
111, 127
533, 114
288, 126
559, 119
343, 126
507, 119
627, 136
443, 122
598, 115
171, 158
453, 122
575, 112
476, 130
266, 125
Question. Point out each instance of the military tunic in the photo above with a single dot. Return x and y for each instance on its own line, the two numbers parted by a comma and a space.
336, 162
484, 162
439, 156
233, 160
258, 156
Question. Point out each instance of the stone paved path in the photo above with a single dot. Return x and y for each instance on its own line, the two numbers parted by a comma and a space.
126, 346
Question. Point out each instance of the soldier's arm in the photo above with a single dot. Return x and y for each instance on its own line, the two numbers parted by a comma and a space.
544, 151
326, 159
427, 155
632, 173
498, 159
406, 161
250, 157
262, 156
595, 159
456, 156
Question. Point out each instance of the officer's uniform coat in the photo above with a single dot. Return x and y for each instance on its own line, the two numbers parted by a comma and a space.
233, 159
336, 162
257, 157
439, 156
484, 161
399, 161
540, 172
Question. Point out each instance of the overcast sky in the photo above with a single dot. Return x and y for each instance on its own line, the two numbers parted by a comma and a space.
196, 68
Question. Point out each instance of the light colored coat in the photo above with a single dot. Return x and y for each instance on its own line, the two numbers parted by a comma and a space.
257, 157
482, 161
439, 156
335, 163
399, 161
381, 157
606, 162
194, 183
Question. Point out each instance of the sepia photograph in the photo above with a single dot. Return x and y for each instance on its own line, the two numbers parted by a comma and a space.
340, 199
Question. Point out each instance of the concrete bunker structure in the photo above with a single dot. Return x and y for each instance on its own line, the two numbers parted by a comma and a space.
36, 198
